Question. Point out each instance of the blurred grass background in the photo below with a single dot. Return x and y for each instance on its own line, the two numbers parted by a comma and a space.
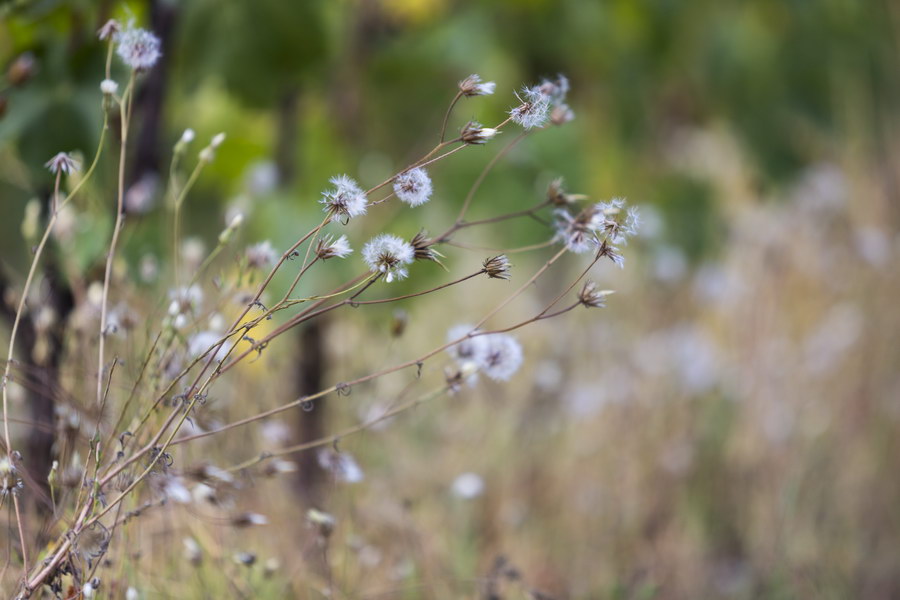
728, 427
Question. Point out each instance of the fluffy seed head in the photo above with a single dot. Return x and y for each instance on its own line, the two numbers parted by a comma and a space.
261, 255
388, 254
138, 48
346, 199
63, 162
328, 247
502, 356
474, 133
473, 86
578, 232
342, 465
413, 187
497, 267
533, 108
109, 87
188, 136
555, 89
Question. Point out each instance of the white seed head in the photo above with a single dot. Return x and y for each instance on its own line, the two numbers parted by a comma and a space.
188, 136
413, 187
346, 199
132, 594
502, 356
62, 162
473, 86
109, 30
533, 108
217, 140
468, 486
138, 48
328, 247
261, 255
388, 254
341, 464
109, 87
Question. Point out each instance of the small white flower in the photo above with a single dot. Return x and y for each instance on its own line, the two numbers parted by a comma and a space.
388, 254
533, 108
200, 343
132, 594
474, 133
468, 486
188, 136
347, 199
473, 86
138, 48
63, 162
413, 187
502, 356
87, 591
328, 247
217, 140
109, 87
261, 255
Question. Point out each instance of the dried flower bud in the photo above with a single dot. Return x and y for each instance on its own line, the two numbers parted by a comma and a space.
188, 136
533, 108
227, 234
21, 69
497, 267
329, 247
248, 559
593, 297
192, 551
217, 140
399, 322
474, 133
422, 247
473, 86
62, 162
10, 482
247, 519
557, 196
109, 30
321, 521
279, 466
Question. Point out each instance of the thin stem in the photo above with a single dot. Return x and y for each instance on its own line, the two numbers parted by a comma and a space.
447, 115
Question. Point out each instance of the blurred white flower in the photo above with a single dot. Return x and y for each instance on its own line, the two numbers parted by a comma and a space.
468, 486
138, 48
340, 464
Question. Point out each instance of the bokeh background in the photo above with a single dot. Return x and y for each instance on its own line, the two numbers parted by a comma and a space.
729, 427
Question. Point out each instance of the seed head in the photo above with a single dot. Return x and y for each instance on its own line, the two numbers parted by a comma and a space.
346, 199
473, 86
592, 296
557, 195
497, 267
188, 136
109, 30
423, 248
533, 108
63, 162
261, 255
555, 89
10, 482
328, 247
413, 187
469, 349
388, 254
502, 356
342, 465
109, 87
561, 114
138, 48
578, 232
474, 133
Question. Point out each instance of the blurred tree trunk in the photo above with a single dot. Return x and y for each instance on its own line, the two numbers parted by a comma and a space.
310, 423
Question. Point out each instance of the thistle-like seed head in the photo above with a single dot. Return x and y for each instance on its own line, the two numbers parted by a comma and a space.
474, 133
473, 86
497, 267
592, 296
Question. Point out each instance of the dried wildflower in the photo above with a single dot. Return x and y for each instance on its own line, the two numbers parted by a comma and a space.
533, 108
423, 248
173, 488
555, 89
185, 300
329, 247
468, 486
207, 472
618, 225
347, 199
557, 195
470, 349
10, 482
261, 255
388, 254
474, 133
204, 493
279, 466
202, 342
561, 114
340, 464
209, 153
578, 232
109, 87
473, 86
612, 253
247, 519
109, 30
502, 356
138, 48
497, 267
63, 162
413, 187
593, 297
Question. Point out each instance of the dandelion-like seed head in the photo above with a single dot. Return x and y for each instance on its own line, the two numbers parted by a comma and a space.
502, 356
578, 232
533, 108
592, 296
329, 247
138, 48
10, 482
469, 349
109, 87
561, 114
473, 133
555, 89
63, 162
473, 86
346, 199
261, 255
618, 223
612, 253
497, 267
341, 465
413, 187
388, 254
